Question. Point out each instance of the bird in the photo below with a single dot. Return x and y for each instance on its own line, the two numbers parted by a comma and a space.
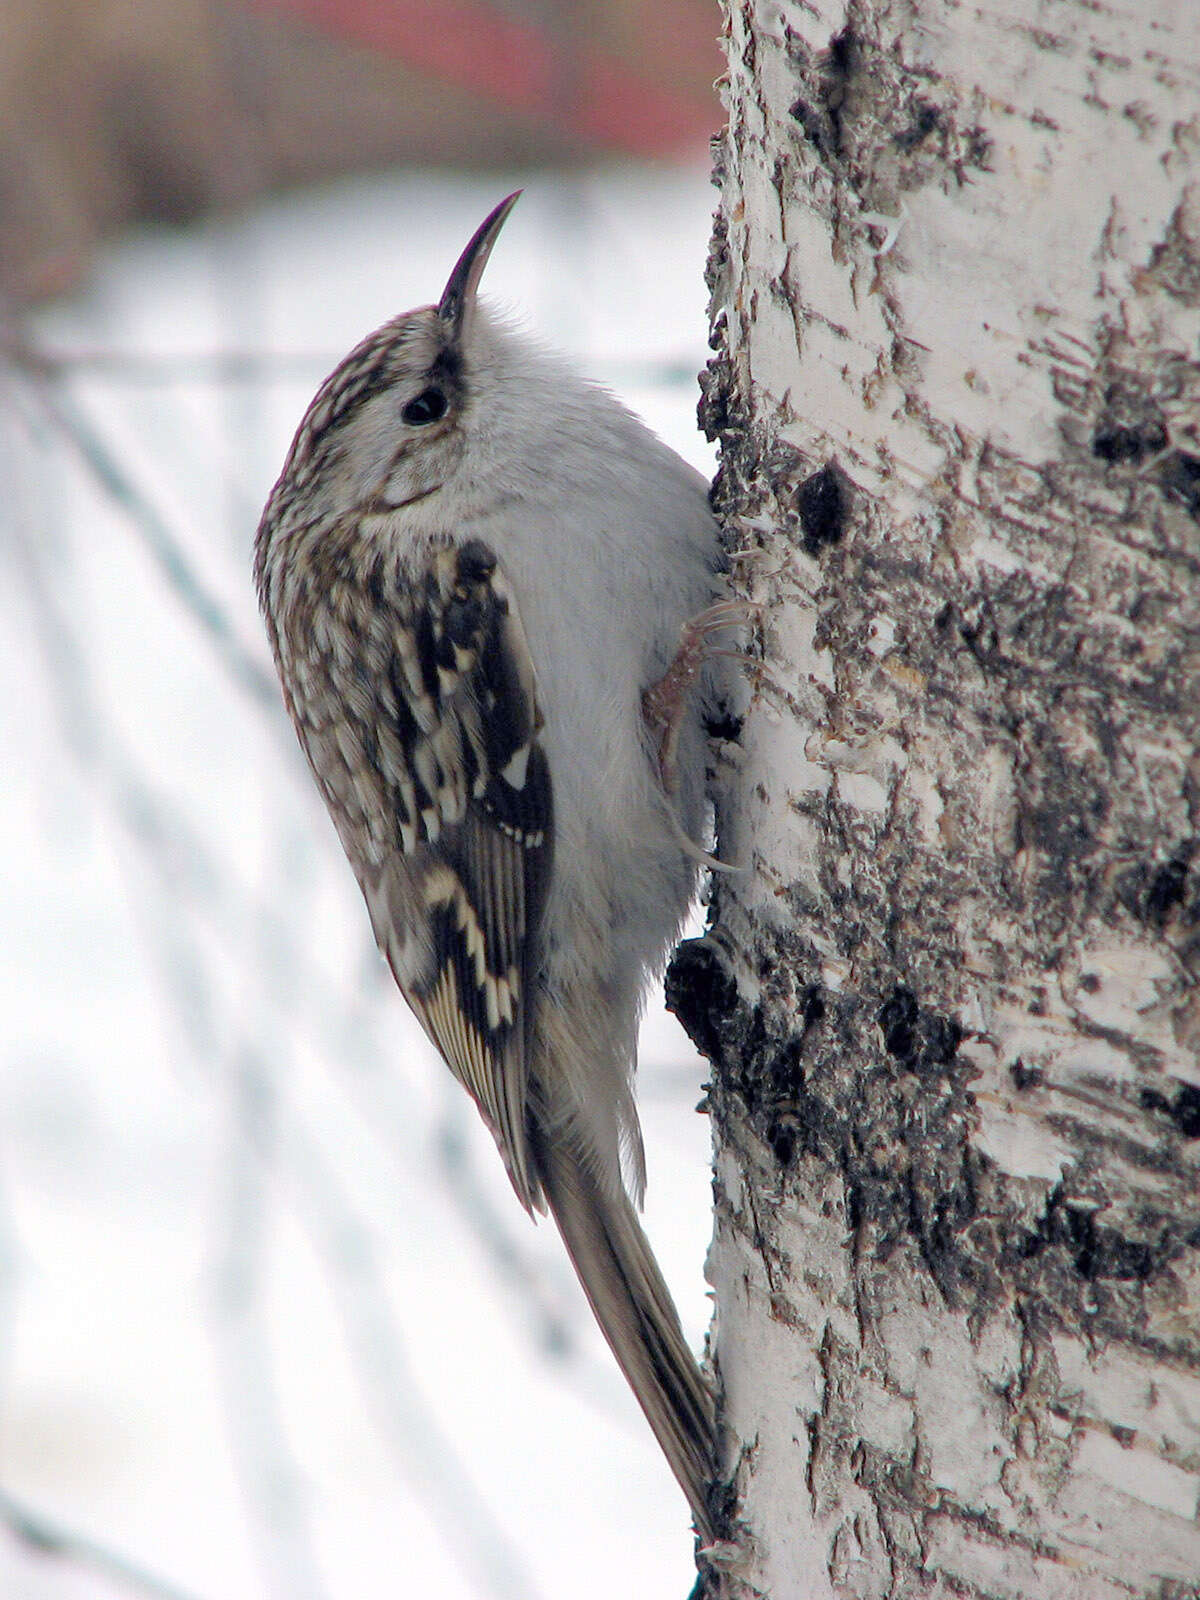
491, 594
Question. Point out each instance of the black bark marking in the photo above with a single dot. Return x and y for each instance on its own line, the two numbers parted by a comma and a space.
1179, 479
926, 117
1118, 443
823, 505
1183, 1111
922, 1041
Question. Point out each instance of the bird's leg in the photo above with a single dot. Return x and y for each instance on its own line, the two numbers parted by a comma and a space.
663, 702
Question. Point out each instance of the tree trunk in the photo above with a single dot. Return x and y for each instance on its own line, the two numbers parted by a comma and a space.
952, 1000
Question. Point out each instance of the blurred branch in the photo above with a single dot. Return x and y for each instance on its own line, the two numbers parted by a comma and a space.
192, 873
272, 1479
169, 555
209, 366
554, 1328
421, 1450
39, 1533
220, 367
192, 876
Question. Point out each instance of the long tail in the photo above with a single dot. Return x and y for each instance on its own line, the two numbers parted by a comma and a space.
636, 1314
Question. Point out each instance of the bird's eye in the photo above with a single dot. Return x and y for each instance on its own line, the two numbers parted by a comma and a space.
428, 406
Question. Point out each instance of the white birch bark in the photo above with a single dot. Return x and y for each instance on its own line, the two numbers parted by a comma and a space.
956, 1100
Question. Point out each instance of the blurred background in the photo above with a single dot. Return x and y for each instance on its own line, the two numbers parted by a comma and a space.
271, 1323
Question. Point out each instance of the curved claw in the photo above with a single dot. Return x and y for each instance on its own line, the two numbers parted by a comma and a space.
663, 702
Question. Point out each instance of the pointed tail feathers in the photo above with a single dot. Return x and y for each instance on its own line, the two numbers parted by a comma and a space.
637, 1316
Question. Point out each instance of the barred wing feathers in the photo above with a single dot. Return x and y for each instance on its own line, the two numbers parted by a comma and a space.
430, 762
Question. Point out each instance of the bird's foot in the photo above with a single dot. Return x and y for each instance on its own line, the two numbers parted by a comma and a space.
663, 702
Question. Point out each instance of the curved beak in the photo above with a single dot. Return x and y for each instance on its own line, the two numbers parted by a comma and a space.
458, 297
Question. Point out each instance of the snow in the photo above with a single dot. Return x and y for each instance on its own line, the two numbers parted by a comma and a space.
273, 1324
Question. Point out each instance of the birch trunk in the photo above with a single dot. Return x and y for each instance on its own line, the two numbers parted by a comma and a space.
952, 1004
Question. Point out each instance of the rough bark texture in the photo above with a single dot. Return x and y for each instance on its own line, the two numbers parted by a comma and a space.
953, 1003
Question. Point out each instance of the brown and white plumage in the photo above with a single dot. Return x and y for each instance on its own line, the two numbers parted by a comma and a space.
472, 568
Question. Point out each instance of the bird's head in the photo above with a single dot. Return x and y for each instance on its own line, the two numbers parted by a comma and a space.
385, 429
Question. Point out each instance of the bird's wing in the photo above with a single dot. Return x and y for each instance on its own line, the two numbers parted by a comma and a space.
457, 819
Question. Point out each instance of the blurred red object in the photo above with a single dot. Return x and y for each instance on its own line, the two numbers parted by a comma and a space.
635, 77
203, 106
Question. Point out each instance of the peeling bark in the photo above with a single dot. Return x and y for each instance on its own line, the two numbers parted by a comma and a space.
952, 1003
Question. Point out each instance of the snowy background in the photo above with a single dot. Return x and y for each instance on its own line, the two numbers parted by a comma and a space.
271, 1323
